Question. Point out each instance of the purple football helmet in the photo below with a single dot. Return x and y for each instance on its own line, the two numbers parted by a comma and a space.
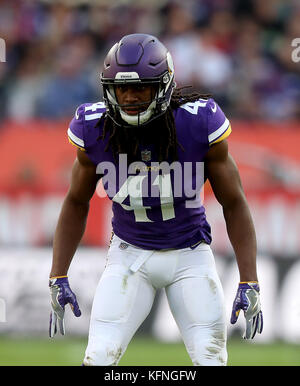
138, 59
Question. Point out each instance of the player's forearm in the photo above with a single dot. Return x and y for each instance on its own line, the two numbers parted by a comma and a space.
242, 236
69, 232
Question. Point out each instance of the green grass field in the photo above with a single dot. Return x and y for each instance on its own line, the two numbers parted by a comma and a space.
141, 352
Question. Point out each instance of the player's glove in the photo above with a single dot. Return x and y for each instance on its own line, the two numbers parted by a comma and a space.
247, 299
61, 294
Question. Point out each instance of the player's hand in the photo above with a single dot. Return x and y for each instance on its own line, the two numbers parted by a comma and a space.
248, 300
61, 294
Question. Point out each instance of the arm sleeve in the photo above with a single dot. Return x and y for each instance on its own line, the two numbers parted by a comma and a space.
76, 129
218, 125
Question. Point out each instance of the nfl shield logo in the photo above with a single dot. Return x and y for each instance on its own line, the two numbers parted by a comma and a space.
146, 155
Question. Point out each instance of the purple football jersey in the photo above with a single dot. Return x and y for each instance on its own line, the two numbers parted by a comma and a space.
156, 205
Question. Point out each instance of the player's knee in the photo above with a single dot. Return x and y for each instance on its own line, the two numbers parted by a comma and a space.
210, 356
210, 350
105, 354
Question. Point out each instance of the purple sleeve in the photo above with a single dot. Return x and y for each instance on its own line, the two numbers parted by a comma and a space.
218, 125
76, 128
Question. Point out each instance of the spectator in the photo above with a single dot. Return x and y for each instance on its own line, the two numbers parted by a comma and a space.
70, 83
238, 50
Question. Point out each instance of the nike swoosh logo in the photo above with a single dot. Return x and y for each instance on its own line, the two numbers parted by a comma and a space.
214, 109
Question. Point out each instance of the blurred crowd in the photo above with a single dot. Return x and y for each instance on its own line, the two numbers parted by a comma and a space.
237, 50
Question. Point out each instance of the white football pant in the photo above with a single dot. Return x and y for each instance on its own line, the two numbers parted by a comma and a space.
126, 292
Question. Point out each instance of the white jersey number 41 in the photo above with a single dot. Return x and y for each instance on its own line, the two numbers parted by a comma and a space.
132, 188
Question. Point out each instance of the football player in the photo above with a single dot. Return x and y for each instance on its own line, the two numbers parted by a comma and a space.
160, 239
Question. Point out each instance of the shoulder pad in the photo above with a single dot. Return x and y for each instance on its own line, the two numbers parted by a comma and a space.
218, 125
82, 127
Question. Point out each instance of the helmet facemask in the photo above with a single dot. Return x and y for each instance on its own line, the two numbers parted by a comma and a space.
154, 108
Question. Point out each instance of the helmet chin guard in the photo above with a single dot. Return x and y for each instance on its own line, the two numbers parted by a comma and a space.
138, 59
140, 118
